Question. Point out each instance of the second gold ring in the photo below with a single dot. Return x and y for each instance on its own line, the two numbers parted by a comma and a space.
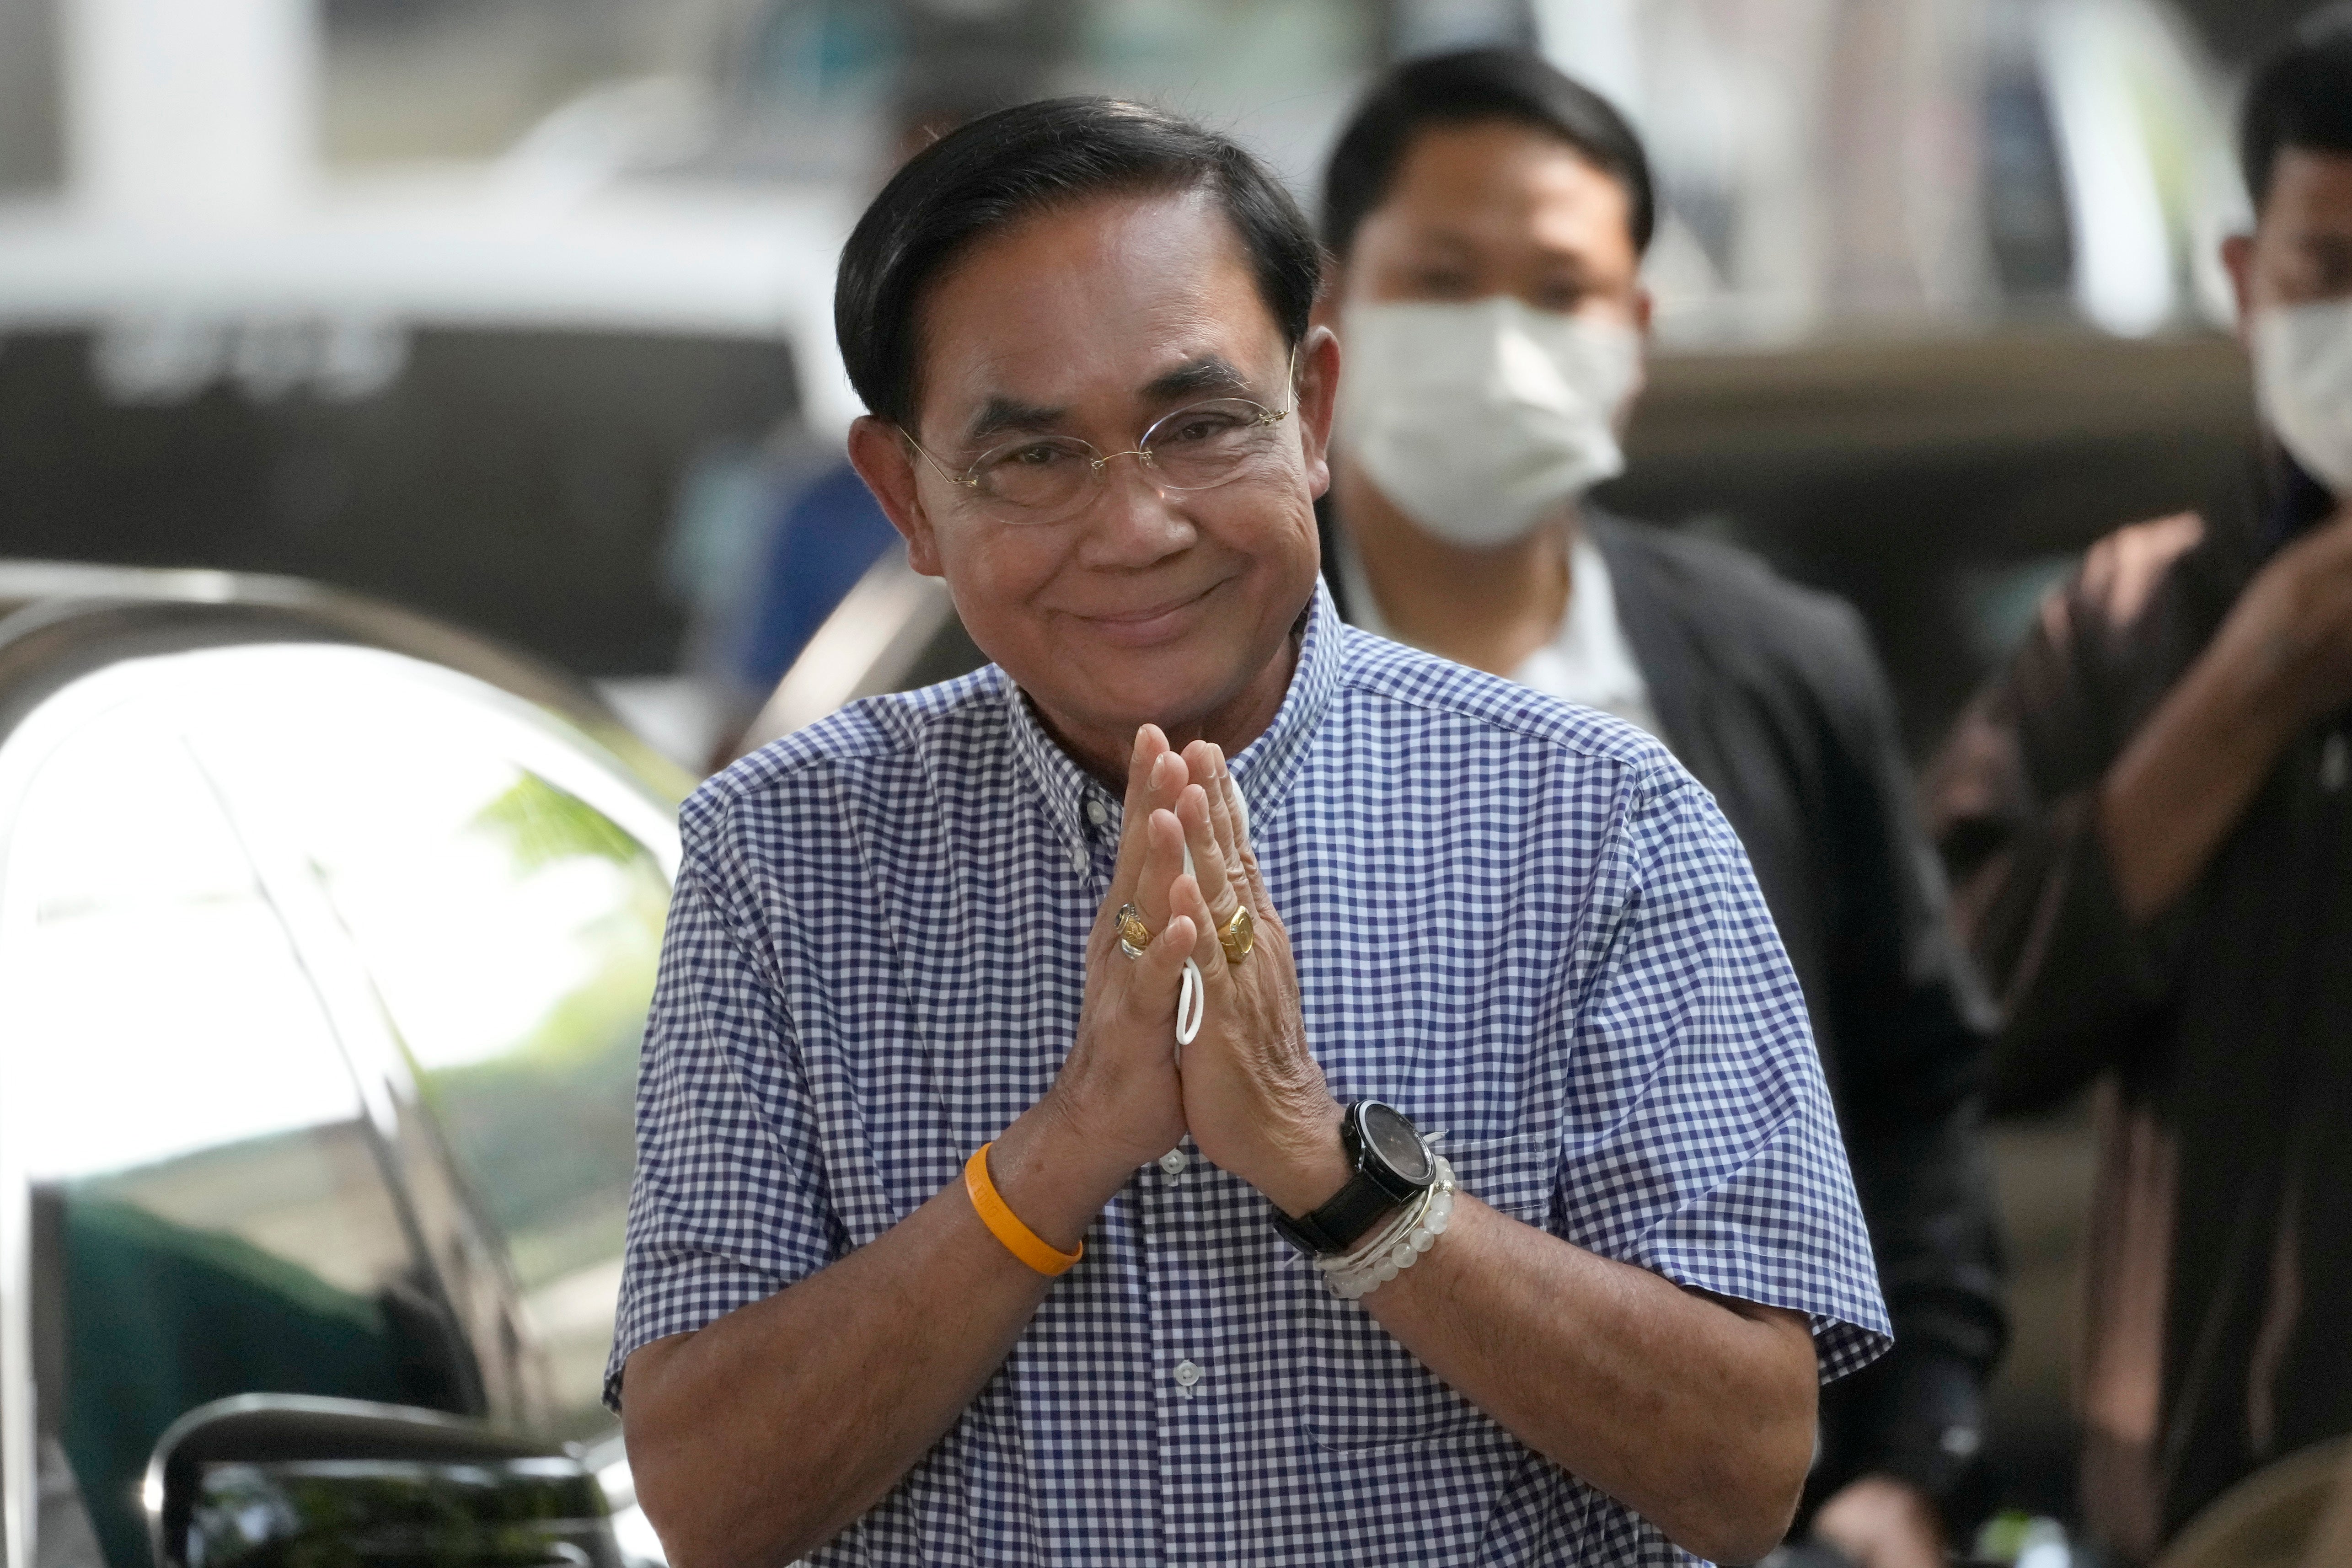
1238, 934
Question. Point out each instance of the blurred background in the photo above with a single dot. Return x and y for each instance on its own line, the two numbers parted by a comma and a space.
518, 311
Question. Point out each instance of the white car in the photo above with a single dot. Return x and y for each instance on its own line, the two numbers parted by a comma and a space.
327, 935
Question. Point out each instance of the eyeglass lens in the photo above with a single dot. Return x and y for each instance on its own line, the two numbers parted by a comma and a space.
1194, 448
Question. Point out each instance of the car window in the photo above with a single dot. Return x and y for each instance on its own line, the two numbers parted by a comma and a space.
510, 930
213, 1214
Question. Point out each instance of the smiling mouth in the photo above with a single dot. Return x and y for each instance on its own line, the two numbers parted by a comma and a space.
1150, 623
1123, 617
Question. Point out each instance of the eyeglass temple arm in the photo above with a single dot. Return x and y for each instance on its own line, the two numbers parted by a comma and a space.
936, 466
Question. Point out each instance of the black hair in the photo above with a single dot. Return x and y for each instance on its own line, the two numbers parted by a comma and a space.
1008, 166
1461, 88
2299, 96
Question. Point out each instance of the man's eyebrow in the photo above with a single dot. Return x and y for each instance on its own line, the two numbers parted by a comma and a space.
1209, 373
1002, 413
1440, 237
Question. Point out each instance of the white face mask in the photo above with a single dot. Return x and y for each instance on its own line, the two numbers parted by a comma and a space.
2303, 382
1477, 419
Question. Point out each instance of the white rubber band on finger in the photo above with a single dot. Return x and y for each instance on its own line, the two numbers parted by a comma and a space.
1193, 994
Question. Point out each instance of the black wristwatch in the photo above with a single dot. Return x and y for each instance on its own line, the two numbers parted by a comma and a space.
1393, 1165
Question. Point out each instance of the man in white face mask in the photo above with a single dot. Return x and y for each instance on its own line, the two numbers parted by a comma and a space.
2147, 815
1493, 313
1488, 216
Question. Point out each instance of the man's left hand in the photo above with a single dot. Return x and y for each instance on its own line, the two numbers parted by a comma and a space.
1254, 1099
1882, 1522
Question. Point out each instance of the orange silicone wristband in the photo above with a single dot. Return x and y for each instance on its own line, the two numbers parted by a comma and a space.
1005, 1226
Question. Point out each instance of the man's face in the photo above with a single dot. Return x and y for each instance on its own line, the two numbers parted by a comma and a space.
1495, 207
2301, 251
1094, 321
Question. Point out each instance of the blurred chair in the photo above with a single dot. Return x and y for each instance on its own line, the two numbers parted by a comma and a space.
2294, 1513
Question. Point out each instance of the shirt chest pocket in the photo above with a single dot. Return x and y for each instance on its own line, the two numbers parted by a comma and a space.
1359, 1387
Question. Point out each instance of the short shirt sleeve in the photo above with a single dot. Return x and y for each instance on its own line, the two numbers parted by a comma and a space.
1704, 1147
730, 1203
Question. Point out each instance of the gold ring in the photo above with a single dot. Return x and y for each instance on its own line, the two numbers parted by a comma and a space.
1238, 934
1134, 935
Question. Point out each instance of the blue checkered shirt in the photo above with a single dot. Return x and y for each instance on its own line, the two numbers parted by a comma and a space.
1519, 921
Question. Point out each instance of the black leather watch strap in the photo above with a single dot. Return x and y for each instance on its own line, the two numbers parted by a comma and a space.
1372, 1192
1339, 1224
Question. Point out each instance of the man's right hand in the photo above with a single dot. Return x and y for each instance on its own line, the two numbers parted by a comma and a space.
2281, 662
1117, 1103
2287, 642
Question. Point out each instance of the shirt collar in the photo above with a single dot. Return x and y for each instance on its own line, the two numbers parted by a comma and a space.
1264, 770
2295, 501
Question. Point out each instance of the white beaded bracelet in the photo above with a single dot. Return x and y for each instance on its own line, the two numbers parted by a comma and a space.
1399, 1245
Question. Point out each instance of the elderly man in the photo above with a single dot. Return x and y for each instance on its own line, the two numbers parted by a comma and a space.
2147, 820
1488, 216
1213, 1086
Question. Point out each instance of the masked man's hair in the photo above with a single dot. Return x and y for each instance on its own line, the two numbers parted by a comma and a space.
1006, 167
1465, 88
2299, 96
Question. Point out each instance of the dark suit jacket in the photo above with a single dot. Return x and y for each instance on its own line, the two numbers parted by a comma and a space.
1771, 696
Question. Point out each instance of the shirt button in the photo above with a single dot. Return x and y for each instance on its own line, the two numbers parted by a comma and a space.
1187, 1374
1097, 813
1174, 1161
1080, 861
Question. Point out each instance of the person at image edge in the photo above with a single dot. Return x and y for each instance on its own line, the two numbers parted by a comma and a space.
2151, 848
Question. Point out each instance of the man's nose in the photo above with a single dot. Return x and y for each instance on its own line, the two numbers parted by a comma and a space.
1136, 519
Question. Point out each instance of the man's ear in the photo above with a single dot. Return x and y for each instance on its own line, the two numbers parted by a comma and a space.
885, 460
1319, 387
1645, 308
2238, 260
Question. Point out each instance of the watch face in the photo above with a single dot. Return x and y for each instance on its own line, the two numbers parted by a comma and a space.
1396, 1143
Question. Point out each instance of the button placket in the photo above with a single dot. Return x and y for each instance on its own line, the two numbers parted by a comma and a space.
1175, 1330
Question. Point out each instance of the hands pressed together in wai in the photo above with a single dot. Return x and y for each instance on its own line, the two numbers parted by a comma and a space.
1246, 1087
